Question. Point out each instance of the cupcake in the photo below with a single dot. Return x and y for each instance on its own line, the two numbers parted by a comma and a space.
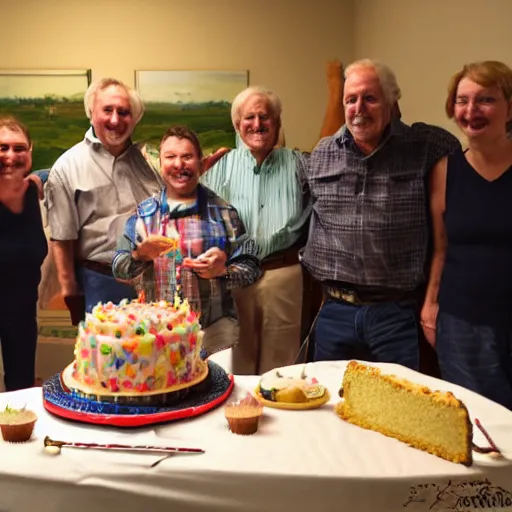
243, 416
17, 425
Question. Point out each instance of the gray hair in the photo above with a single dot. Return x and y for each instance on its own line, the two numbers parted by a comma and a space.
386, 77
135, 100
255, 90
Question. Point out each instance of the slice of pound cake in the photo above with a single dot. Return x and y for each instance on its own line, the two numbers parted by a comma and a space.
433, 421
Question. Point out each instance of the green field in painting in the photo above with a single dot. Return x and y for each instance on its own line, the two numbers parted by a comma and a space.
52, 135
211, 122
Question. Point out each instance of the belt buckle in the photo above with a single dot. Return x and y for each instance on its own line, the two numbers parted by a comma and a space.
349, 296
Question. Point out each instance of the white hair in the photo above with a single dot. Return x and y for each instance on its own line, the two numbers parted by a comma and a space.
135, 100
387, 78
255, 90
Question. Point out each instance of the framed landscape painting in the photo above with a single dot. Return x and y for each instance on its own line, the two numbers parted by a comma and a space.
200, 100
51, 104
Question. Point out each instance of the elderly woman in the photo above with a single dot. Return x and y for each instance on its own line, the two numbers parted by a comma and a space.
210, 241
23, 248
467, 314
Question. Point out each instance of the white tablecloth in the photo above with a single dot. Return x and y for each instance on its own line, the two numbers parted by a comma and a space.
298, 461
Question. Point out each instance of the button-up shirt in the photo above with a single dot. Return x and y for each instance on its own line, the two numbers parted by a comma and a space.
370, 216
90, 194
272, 198
206, 223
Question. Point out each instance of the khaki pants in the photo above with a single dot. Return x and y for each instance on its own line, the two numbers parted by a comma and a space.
222, 334
269, 314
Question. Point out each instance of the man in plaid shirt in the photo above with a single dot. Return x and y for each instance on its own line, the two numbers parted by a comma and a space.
212, 255
369, 234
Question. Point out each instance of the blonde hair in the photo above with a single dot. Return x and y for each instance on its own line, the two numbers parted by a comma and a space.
387, 78
135, 100
488, 73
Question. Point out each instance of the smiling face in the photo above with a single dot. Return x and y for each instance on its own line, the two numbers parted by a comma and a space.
15, 152
181, 167
367, 112
15, 161
258, 126
112, 118
481, 112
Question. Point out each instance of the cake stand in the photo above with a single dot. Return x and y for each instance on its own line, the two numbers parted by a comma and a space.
67, 403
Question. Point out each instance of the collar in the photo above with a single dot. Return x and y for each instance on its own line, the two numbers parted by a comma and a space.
257, 169
197, 208
90, 138
395, 128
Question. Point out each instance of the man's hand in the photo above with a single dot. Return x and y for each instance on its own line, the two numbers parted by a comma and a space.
428, 321
69, 288
209, 265
34, 178
151, 248
210, 160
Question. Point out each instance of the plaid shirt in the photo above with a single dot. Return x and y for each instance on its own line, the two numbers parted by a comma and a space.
370, 223
209, 222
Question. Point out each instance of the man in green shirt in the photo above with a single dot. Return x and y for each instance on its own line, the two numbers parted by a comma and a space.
268, 187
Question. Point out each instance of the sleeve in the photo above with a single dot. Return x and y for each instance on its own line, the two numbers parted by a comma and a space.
124, 267
61, 205
440, 142
216, 178
243, 267
42, 174
302, 166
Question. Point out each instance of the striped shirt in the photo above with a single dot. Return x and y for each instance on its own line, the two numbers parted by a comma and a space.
370, 217
272, 199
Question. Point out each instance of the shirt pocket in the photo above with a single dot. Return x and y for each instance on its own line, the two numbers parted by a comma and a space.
334, 193
406, 202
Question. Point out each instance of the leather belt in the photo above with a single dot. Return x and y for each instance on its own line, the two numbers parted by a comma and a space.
281, 259
95, 266
359, 297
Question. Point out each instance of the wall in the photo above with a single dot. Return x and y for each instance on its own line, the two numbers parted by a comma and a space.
283, 43
425, 42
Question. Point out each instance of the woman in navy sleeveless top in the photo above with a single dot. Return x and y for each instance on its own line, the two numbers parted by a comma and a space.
467, 313
23, 248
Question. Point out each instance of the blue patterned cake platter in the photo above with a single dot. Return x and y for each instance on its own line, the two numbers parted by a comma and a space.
66, 403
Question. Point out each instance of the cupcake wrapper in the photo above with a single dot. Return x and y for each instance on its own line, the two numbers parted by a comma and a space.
17, 433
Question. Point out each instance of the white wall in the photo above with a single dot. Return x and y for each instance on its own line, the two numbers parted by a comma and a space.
426, 41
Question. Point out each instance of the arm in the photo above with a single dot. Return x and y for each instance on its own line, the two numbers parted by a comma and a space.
126, 264
437, 208
243, 267
334, 117
64, 256
64, 227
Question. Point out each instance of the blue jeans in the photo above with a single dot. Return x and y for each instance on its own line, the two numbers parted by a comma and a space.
476, 357
98, 287
385, 332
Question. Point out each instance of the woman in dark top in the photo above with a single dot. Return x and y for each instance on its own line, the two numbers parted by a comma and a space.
23, 248
467, 314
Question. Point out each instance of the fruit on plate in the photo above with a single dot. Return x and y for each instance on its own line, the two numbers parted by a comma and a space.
276, 387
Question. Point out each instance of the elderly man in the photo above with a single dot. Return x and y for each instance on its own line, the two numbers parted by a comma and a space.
267, 185
369, 234
91, 190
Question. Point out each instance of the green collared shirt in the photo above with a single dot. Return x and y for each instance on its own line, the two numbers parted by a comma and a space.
272, 199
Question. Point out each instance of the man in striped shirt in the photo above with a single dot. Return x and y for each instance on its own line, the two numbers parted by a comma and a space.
267, 185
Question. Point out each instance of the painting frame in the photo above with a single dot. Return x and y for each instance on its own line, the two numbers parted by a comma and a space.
199, 98
50, 103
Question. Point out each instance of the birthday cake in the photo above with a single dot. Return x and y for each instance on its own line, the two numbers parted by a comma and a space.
137, 348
